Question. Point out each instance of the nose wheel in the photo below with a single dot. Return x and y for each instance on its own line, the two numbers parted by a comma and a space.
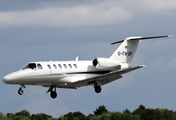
20, 91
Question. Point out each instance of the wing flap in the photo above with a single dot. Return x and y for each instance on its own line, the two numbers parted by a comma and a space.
105, 78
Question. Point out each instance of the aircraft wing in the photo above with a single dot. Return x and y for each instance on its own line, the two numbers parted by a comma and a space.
105, 78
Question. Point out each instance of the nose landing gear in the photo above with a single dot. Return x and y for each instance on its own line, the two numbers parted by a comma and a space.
20, 91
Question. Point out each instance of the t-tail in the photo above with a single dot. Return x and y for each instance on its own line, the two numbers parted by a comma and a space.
122, 57
125, 52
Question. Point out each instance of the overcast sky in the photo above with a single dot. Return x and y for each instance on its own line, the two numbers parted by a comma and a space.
61, 30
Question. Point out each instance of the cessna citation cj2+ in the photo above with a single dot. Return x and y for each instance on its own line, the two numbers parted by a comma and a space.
74, 74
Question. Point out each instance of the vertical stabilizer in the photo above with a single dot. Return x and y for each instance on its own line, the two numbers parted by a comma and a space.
126, 51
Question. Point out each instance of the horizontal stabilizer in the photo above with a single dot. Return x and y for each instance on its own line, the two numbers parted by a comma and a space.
142, 38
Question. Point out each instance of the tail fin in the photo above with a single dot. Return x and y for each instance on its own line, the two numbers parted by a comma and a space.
126, 51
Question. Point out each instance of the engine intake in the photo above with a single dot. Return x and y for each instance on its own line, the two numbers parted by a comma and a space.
95, 62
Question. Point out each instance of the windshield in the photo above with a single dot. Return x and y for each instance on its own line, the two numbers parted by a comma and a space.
29, 66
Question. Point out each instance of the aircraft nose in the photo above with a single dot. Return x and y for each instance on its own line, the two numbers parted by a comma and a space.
10, 78
13, 78
7, 79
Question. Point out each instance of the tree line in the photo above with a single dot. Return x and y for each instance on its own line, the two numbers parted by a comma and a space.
101, 113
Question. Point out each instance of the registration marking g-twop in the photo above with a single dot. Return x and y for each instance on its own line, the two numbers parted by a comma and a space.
123, 53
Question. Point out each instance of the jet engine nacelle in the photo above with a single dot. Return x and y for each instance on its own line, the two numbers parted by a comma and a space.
106, 63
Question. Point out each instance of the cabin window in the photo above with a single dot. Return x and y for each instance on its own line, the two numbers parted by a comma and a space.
29, 66
55, 66
70, 65
39, 66
65, 66
60, 66
75, 65
49, 66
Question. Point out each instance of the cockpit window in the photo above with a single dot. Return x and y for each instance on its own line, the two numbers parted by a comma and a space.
39, 66
29, 66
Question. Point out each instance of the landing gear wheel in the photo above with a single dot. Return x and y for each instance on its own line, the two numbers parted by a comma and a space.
53, 94
97, 89
20, 91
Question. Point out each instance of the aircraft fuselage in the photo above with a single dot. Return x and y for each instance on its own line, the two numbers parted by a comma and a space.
53, 73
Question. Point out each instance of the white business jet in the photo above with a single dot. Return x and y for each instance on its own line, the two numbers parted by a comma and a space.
74, 74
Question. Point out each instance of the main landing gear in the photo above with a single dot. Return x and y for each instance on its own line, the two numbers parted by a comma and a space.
97, 88
53, 94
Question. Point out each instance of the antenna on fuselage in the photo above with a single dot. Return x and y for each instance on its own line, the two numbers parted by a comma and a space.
76, 59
